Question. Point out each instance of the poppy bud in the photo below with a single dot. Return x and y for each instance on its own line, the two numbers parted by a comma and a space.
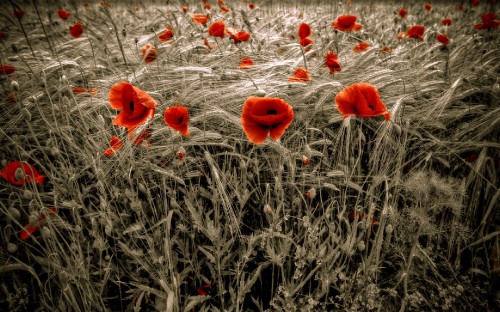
46, 233
389, 229
77, 229
27, 194
73, 246
107, 229
141, 188
11, 248
311, 193
397, 129
136, 40
26, 114
14, 85
19, 174
267, 209
124, 32
55, 151
33, 218
305, 160
107, 257
101, 120
361, 245
14, 213
181, 153
260, 93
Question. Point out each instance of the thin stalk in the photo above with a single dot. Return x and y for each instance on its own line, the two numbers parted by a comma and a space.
22, 29
43, 28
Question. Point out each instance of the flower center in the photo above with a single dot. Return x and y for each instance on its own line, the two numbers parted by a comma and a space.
272, 112
131, 105
181, 119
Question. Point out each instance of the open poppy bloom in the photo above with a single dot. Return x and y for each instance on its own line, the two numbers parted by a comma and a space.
20, 172
443, 38
202, 290
137, 107
177, 118
166, 35
246, 63
148, 53
19, 13
263, 116
224, 9
300, 75
63, 14
362, 100
346, 23
207, 6
489, 21
200, 19
251, 6
29, 229
184, 9
116, 144
446, 21
360, 47
217, 29
403, 12
304, 30
237, 36
305, 42
76, 30
331, 61
6, 69
428, 7
90, 91
416, 32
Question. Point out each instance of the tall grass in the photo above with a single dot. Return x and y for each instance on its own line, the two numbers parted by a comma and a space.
401, 215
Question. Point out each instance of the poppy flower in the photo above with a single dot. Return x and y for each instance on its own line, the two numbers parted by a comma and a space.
403, 12
460, 7
428, 7
331, 61
245, 63
237, 36
19, 13
201, 290
220, 2
400, 36
217, 29
63, 14
148, 53
207, 6
305, 160
138, 137
181, 153
200, 19
489, 21
76, 30
177, 118
300, 75
224, 9
474, 3
346, 23
362, 100
416, 32
166, 35
443, 38
304, 30
137, 107
305, 42
184, 9
91, 91
446, 21
7, 69
357, 214
386, 49
251, 6
360, 47
29, 229
20, 172
116, 144
263, 116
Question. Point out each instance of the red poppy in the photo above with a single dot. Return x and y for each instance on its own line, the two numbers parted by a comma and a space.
237, 36
305, 42
116, 144
137, 107
177, 118
3, 35
353, 215
245, 63
166, 35
201, 290
362, 46
63, 14
416, 32
305, 160
386, 49
29, 229
20, 172
263, 115
11, 97
19, 13
138, 136
362, 100
474, 3
401, 35
489, 21
446, 21
403, 12
7, 69
207, 6
443, 38
331, 61
346, 23
300, 75
251, 6
221, 2
224, 9
304, 30
76, 30
201, 19
181, 153
217, 29
428, 7
184, 9
148, 53
460, 7
90, 91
